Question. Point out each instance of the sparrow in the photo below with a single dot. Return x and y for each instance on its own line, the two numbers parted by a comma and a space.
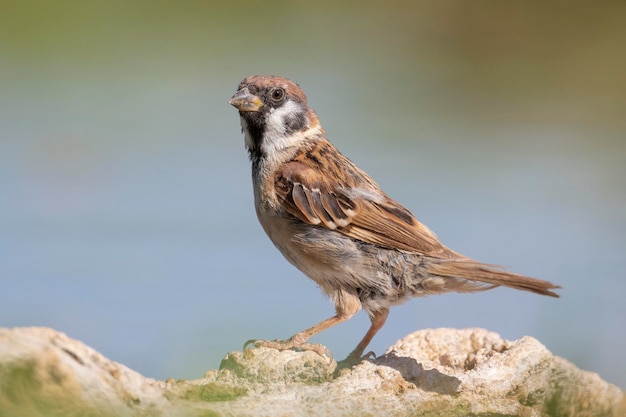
335, 224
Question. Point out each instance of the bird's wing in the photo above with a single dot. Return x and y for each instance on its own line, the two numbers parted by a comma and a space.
356, 208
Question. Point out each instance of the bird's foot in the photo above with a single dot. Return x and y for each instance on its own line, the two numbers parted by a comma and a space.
291, 343
353, 359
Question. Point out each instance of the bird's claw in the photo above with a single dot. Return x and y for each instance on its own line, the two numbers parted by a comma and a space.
251, 343
354, 359
370, 355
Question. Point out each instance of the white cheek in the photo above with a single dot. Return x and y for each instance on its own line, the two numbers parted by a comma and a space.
276, 118
276, 137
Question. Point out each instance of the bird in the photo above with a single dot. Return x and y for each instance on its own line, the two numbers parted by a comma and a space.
334, 223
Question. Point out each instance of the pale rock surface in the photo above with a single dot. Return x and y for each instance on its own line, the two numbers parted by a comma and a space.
441, 372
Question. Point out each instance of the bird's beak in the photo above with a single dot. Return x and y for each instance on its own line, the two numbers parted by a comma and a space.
243, 100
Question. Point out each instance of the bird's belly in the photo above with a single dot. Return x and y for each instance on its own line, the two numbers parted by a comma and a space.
379, 277
332, 260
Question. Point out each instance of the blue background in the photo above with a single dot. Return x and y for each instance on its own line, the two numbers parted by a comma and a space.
126, 213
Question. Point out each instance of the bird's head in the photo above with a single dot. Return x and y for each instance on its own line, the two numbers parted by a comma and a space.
274, 113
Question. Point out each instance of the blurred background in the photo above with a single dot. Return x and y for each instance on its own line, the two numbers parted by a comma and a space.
126, 212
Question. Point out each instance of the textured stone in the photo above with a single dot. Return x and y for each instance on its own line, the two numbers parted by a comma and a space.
44, 372
441, 372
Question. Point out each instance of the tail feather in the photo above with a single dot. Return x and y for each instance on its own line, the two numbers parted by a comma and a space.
491, 274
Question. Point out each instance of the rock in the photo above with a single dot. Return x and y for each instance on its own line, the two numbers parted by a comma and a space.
442, 372
45, 373
269, 366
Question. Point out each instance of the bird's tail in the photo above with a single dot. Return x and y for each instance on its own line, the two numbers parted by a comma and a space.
493, 275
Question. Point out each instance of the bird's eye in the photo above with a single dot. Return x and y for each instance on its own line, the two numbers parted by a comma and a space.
278, 93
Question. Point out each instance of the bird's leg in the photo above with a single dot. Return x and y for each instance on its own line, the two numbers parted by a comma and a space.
378, 319
347, 307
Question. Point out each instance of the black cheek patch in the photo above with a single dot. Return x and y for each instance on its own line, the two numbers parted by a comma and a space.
295, 122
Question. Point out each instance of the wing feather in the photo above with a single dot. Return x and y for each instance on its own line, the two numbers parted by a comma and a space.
359, 210
302, 201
